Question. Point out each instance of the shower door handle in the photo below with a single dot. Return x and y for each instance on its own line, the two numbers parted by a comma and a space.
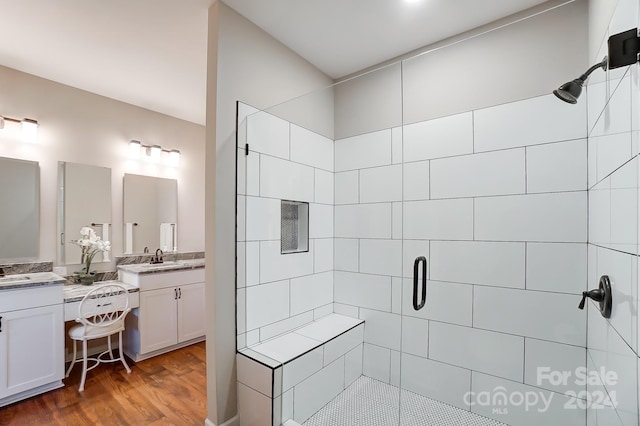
416, 264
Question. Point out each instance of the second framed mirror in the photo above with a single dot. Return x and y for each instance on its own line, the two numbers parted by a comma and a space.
150, 214
84, 201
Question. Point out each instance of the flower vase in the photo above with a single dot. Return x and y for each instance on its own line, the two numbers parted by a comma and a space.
87, 279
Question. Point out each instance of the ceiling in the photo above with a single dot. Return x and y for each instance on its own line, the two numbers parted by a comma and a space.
152, 53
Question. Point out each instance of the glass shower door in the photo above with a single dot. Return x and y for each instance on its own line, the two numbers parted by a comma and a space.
501, 220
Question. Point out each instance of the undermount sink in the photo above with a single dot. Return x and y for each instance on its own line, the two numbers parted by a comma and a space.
168, 264
11, 279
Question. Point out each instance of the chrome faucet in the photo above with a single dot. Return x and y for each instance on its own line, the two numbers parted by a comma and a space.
146, 249
158, 257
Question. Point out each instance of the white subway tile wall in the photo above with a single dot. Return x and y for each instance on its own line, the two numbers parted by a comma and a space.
286, 180
381, 184
268, 134
434, 379
475, 349
490, 263
323, 187
613, 181
363, 221
416, 181
530, 122
557, 167
285, 162
442, 137
542, 357
439, 219
359, 152
552, 217
311, 148
496, 200
518, 208
549, 408
491, 173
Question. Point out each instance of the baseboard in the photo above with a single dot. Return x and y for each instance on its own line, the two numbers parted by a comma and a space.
234, 421
138, 357
31, 392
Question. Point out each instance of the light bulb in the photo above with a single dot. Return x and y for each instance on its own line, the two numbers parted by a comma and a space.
29, 130
134, 148
155, 151
174, 158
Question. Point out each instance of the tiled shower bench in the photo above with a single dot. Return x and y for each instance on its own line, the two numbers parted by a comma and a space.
292, 376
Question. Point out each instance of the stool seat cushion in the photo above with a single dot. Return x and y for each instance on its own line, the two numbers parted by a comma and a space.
77, 332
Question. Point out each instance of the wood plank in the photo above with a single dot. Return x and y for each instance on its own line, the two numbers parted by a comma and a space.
169, 389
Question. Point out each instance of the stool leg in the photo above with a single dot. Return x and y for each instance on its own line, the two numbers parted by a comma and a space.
84, 364
109, 346
73, 360
121, 354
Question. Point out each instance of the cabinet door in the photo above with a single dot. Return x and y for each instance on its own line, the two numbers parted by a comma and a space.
191, 312
31, 349
158, 319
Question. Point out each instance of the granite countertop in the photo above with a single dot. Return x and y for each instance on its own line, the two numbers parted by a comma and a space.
35, 279
75, 292
148, 268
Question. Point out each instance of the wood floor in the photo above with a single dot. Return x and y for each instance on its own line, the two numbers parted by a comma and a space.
169, 389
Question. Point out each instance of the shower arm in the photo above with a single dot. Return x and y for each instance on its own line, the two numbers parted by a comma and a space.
602, 64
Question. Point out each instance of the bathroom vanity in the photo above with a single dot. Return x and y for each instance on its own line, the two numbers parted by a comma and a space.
172, 307
31, 335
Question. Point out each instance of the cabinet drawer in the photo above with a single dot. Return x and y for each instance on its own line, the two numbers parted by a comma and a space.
32, 297
165, 279
71, 309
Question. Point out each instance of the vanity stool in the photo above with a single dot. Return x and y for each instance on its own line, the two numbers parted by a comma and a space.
101, 313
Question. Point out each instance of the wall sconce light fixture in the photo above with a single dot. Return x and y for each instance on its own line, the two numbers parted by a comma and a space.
29, 127
154, 153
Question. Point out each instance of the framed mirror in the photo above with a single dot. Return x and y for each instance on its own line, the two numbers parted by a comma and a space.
84, 199
150, 214
19, 210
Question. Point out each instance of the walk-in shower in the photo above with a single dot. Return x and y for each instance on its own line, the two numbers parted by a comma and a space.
405, 261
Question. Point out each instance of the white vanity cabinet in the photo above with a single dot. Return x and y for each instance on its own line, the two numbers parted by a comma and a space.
171, 313
31, 342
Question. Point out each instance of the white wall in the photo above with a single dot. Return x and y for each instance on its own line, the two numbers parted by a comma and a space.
495, 199
600, 13
82, 127
246, 64
528, 58
613, 102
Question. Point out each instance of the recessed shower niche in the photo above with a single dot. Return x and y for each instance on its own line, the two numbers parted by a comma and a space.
294, 227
